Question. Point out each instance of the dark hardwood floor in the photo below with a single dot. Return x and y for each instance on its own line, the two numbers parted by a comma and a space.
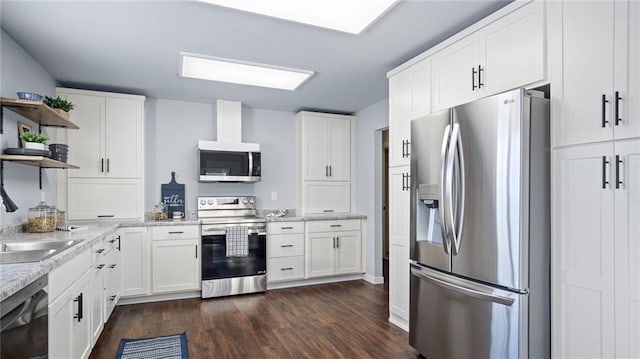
339, 320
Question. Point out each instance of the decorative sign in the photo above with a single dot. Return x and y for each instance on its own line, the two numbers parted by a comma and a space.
173, 196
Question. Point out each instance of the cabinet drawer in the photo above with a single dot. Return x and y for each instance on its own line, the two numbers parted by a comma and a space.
285, 227
285, 245
98, 249
288, 268
175, 232
334, 226
62, 277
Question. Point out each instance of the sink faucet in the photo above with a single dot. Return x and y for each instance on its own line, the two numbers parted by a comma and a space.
9, 205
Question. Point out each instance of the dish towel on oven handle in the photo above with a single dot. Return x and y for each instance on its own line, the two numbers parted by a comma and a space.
237, 241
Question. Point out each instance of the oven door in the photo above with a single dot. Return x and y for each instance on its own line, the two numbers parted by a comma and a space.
215, 262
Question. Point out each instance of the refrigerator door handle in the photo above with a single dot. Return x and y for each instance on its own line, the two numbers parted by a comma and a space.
443, 189
456, 213
476, 293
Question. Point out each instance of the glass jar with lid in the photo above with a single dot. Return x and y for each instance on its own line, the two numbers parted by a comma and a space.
42, 218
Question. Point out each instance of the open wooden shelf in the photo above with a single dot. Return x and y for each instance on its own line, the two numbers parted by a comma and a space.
38, 112
38, 161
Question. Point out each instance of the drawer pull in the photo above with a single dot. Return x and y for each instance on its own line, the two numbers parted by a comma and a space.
327, 211
286, 245
112, 298
106, 216
112, 241
286, 227
100, 250
288, 268
112, 266
100, 266
176, 232
335, 225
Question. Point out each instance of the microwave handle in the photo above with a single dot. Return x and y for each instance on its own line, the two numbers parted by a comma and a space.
250, 164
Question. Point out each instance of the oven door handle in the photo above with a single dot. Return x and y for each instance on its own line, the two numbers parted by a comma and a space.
215, 231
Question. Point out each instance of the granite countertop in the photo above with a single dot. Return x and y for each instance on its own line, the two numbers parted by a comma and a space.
14, 277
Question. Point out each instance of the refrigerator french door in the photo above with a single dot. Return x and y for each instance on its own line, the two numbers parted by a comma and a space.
480, 229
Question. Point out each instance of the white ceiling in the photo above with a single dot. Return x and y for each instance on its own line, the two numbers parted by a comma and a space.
133, 46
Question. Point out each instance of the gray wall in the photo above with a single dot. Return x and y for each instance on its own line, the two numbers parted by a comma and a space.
173, 129
368, 179
20, 72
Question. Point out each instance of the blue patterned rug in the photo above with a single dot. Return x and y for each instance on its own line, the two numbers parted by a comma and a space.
164, 347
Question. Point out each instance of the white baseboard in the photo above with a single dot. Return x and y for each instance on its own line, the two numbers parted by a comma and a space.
159, 297
313, 281
374, 280
399, 322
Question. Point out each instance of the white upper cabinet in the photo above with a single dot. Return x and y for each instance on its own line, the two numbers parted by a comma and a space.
506, 54
455, 73
599, 72
326, 146
111, 141
409, 98
324, 162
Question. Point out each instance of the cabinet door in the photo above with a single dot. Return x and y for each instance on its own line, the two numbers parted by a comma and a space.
627, 68
340, 150
176, 265
587, 73
320, 254
399, 117
61, 323
583, 258
95, 198
315, 141
627, 244
124, 138
513, 51
326, 197
348, 253
398, 246
86, 145
135, 260
453, 74
96, 299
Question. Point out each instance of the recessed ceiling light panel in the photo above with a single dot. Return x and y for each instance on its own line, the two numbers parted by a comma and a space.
352, 16
241, 72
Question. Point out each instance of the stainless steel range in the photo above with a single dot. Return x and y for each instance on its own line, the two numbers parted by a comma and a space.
234, 246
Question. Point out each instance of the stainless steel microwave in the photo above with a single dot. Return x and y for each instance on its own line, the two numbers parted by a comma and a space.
228, 162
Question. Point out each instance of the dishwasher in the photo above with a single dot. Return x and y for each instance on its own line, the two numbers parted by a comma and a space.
24, 322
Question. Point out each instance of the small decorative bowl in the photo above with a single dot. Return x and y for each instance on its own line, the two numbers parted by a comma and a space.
32, 96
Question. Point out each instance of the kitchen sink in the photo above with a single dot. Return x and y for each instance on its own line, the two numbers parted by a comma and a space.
31, 251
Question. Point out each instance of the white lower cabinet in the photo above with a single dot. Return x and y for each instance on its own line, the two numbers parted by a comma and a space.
596, 250
399, 246
69, 321
175, 262
333, 247
135, 259
285, 251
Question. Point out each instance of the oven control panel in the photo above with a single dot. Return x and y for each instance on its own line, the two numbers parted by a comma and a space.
218, 203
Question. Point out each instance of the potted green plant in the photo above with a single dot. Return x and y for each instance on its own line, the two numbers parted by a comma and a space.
60, 105
34, 141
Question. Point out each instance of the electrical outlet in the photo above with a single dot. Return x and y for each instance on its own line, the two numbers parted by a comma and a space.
274, 196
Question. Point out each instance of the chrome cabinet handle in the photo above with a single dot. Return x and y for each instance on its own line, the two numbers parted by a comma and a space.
604, 172
604, 111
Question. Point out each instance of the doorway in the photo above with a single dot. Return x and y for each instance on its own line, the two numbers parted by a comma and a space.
385, 204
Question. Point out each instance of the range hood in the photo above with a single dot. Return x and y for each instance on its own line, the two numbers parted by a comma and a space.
229, 159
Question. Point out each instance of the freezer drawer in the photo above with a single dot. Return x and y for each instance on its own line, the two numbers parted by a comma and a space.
455, 318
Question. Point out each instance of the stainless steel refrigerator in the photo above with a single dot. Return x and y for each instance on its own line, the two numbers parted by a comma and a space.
480, 229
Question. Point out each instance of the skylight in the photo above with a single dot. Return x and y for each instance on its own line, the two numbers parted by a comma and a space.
352, 16
241, 72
